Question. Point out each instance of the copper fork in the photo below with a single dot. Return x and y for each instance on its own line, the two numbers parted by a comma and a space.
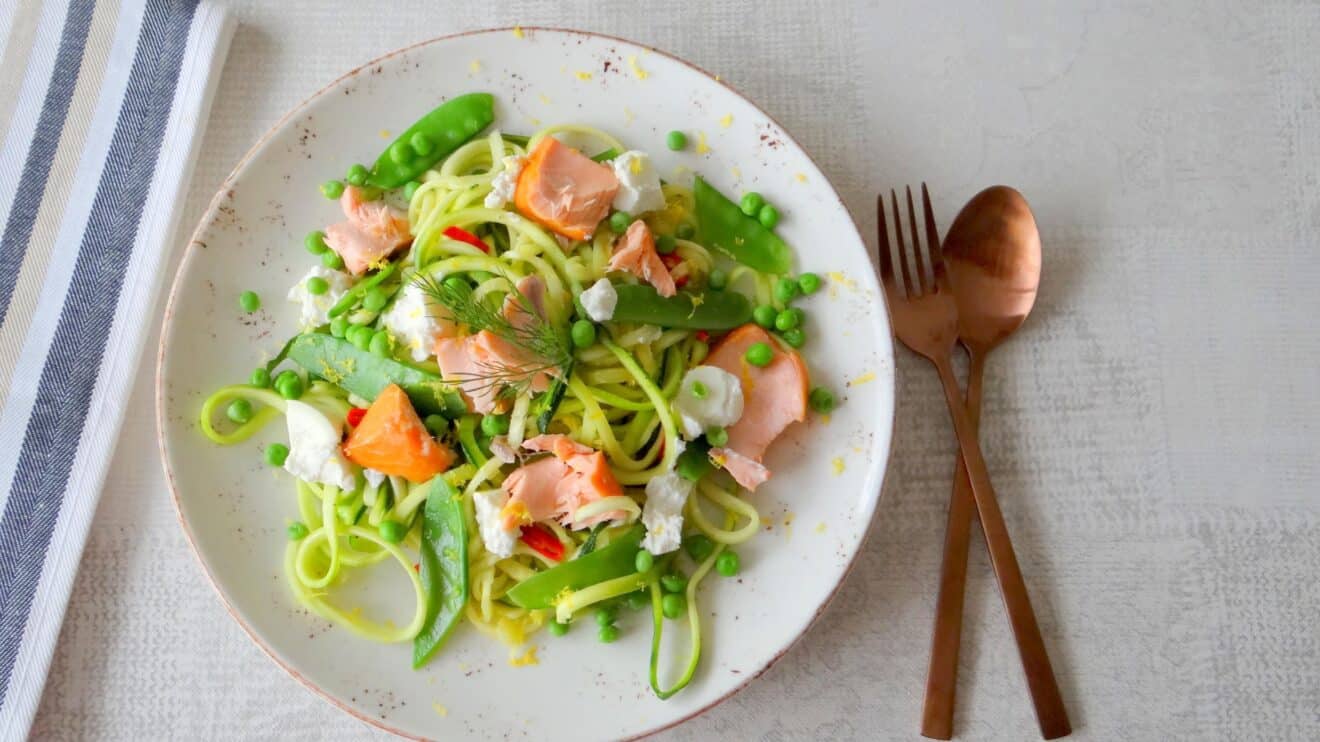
925, 319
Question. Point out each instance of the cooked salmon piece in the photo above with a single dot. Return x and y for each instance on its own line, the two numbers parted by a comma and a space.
635, 252
746, 472
373, 231
392, 439
564, 190
557, 485
774, 395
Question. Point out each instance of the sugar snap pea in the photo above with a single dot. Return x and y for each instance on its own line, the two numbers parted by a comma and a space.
432, 138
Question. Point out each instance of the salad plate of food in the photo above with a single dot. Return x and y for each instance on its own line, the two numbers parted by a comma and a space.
526, 382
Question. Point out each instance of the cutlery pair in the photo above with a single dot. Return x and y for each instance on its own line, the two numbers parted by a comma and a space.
925, 316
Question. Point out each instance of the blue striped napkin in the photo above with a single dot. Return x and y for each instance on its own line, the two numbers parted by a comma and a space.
102, 106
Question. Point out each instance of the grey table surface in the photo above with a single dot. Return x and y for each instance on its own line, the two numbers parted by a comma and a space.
1152, 431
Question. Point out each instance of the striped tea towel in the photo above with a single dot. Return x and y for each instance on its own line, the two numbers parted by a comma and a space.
102, 106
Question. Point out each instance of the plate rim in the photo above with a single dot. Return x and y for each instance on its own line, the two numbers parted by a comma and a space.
208, 216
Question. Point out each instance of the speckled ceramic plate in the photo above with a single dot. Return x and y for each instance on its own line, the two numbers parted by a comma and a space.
816, 509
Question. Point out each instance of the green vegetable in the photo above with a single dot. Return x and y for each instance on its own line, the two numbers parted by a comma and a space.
340, 362
360, 336
332, 189
240, 411
673, 605
751, 203
392, 531
317, 286
759, 354
442, 131
467, 440
809, 283
726, 228
643, 562
685, 231
665, 244
717, 279
786, 290
276, 453
821, 400
314, 242
435, 424
339, 326
764, 316
717, 437
795, 337
619, 221
260, 377
676, 140
444, 567
557, 629
788, 319
768, 216
548, 403
605, 615
357, 175
331, 260
297, 531
607, 155
410, 189
694, 462
608, 634
289, 385
249, 302
727, 563
583, 333
608, 562
375, 299
380, 343
698, 546
636, 600
351, 297
493, 425
717, 310
674, 582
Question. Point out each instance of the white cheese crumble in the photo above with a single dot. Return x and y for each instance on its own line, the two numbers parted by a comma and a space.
505, 182
374, 478
599, 300
498, 540
719, 406
639, 183
314, 454
315, 307
416, 320
663, 512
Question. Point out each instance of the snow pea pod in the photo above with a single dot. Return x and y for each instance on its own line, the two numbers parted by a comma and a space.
355, 294
606, 563
444, 567
365, 374
725, 227
713, 310
548, 403
432, 138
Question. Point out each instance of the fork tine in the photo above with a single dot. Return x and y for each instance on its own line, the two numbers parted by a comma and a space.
913, 289
941, 276
886, 262
926, 286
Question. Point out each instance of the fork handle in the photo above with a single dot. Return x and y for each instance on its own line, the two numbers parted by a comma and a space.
1050, 712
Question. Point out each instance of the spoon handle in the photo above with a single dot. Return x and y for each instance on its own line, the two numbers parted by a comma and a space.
942, 674
1050, 713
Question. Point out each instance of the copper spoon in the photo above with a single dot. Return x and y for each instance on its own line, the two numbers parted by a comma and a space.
992, 252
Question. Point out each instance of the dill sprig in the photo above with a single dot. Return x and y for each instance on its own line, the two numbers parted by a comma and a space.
548, 350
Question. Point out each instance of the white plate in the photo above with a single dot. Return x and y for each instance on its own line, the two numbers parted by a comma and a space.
234, 507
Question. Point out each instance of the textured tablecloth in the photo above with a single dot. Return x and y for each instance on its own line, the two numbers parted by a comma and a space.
1152, 430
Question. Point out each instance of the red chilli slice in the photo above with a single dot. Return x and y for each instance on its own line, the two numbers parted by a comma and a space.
543, 541
462, 235
355, 415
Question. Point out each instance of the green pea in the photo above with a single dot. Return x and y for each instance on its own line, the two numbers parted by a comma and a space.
276, 453
674, 582
759, 354
764, 316
317, 286
240, 411
727, 563
339, 326
676, 140
698, 546
375, 299
673, 605
331, 260
380, 344
583, 333
643, 561
751, 203
289, 385
605, 615
436, 424
692, 467
637, 600
357, 175
493, 425
249, 302
717, 437
685, 231
392, 531
297, 531
315, 242
788, 319
557, 629
332, 189
717, 279
619, 221
410, 189
699, 390
608, 634
401, 153
786, 290
421, 144
809, 283
360, 336
768, 216
456, 284
260, 377
795, 337
666, 244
